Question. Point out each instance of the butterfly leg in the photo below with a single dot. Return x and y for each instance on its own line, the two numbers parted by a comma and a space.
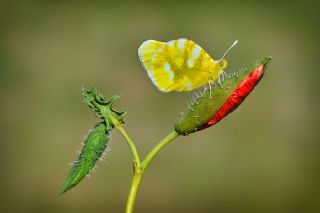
220, 81
209, 85
222, 77
226, 75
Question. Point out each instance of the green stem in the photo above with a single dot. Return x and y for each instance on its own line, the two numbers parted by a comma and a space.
138, 171
129, 141
157, 149
136, 179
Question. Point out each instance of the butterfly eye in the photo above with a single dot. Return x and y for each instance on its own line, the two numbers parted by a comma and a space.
223, 64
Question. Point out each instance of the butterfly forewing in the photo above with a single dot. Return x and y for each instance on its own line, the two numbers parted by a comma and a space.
176, 65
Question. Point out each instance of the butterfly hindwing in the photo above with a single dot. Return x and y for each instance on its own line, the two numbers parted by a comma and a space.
149, 56
176, 65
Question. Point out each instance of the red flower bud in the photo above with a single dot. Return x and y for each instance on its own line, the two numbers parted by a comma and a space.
237, 96
208, 109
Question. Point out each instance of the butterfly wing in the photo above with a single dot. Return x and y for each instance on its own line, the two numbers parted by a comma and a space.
177, 65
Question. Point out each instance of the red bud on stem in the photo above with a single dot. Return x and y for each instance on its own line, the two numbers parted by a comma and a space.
208, 109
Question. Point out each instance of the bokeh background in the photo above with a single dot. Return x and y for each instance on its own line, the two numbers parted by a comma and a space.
262, 158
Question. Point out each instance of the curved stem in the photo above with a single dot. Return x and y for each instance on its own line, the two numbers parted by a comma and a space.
138, 170
157, 149
136, 179
128, 140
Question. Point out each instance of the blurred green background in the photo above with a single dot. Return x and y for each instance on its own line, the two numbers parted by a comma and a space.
262, 158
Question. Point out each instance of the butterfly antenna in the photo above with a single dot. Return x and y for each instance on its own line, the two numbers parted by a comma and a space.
234, 43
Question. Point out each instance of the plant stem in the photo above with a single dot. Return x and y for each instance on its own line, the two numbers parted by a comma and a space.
136, 179
129, 141
138, 170
157, 149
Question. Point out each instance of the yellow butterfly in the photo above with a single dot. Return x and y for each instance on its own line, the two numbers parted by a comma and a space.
180, 65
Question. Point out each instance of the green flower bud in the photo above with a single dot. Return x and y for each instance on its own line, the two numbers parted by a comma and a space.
98, 138
93, 147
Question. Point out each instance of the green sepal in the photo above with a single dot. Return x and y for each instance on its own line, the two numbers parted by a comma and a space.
93, 147
102, 107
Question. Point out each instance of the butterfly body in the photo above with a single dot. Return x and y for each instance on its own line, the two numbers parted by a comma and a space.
179, 65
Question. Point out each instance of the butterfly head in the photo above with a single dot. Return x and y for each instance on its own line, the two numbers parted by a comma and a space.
222, 64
